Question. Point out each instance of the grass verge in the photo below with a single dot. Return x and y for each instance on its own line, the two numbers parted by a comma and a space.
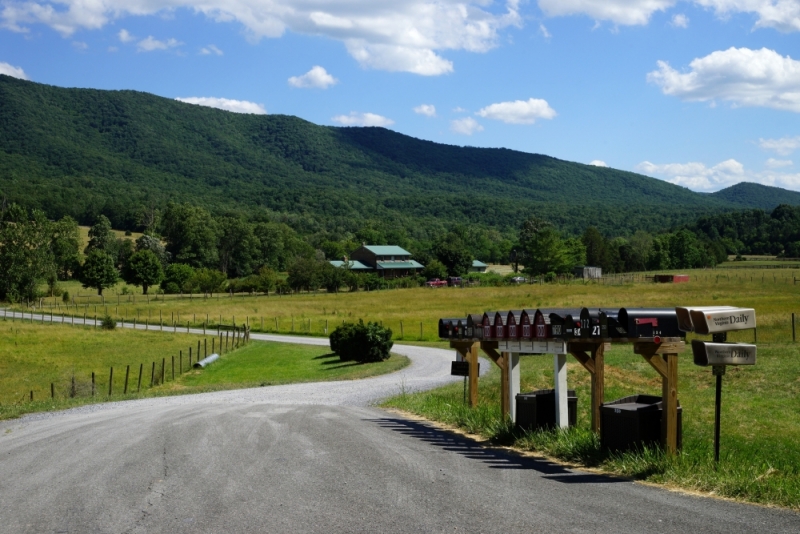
760, 458
34, 356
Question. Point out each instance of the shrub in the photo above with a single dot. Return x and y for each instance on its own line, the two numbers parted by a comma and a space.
361, 342
65, 296
108, 323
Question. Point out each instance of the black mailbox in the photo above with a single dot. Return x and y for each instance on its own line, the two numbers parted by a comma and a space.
650, 322
564, 323
474, 326
610, 325
591, 327
459, 326
446, 327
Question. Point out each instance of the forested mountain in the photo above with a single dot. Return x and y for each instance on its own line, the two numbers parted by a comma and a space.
750, 195
83, 152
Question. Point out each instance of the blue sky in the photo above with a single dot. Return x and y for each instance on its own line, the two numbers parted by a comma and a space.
702, 93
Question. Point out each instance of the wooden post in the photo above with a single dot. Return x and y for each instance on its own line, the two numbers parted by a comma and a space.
127, 374
52, 390
663, 358
794, 338
153, 375
401, 329
163, 362
190, 357
420, 330
213, 344
180, 361
110, 380
173, 367
473, 375
93, 384
669, 419
205, 348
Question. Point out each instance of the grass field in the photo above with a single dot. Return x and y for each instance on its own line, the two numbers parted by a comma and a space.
34, 356
760, 451
771, 292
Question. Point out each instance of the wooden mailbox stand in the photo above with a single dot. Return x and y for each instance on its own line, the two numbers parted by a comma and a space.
662, 356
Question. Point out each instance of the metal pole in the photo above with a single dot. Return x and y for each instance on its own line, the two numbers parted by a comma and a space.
718, 371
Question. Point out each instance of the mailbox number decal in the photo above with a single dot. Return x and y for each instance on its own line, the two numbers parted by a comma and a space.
596, 331
526, 331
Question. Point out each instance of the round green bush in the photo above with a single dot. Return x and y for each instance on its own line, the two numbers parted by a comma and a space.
361, 342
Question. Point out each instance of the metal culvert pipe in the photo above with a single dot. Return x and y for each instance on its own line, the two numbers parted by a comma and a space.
206, 361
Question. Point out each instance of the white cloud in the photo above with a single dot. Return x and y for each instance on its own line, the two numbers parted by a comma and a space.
783, 15
80, 45
773, 163
624, 12
465, 126
518, 111
11, 70
362, 119
680, 21
317, 78
698, 177
544, 32
459, 109
150, 44
210, 50
383, 34
236, 106
740, 76
429, 110
125, 36
598, 163
783, 146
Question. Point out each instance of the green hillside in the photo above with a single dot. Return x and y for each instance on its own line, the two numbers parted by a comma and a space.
82, 152
749, 195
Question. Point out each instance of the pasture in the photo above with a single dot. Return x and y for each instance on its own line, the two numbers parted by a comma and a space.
412, 314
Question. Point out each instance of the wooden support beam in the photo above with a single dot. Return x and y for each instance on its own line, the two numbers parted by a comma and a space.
598, 385
473, 375
584, 359
669, 419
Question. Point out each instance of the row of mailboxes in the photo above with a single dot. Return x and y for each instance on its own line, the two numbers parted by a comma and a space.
578, 323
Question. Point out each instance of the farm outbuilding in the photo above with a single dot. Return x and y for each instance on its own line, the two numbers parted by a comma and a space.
478, 267
671, 278
588, 273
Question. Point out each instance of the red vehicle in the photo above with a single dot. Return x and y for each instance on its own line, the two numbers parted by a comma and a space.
435, 282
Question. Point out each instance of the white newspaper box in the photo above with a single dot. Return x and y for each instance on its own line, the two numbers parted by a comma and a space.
718, 321
684, 315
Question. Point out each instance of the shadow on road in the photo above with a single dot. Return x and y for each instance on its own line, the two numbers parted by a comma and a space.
493, 458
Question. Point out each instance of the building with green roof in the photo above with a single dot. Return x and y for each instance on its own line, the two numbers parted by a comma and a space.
389, 261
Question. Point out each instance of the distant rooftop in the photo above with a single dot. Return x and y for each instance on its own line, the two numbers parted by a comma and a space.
387, 250
476, 263
354, 265
411, 264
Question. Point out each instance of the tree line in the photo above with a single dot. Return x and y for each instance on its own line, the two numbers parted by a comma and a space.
185, 249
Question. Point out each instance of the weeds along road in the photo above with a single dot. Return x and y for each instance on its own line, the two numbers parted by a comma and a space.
314, 458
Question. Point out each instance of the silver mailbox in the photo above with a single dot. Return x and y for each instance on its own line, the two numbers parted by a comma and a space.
717, 321
706, 353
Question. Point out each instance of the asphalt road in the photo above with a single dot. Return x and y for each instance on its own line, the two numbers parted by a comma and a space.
274, 460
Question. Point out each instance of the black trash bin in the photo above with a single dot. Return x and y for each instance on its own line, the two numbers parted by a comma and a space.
537, 409
632, 422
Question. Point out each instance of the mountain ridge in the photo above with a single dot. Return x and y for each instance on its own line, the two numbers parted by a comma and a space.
82, 152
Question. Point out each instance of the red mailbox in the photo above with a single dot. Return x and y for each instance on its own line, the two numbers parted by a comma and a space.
488, 325
527, 323
513, 324
500, 330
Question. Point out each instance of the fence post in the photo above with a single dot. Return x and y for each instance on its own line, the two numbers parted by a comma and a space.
127, 374
52, 390
180, 361
93, 384
139, 385
173, 367
190, 357
401, 329
153, 375
110, 380
793, 329
420, 331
